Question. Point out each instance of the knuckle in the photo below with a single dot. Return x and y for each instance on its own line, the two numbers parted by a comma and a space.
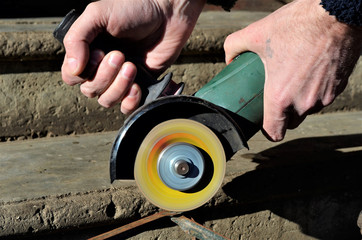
104, 102
228, 42
328, 99
128, 107
91, 7
280, 101
276, 137
272, 134
309, 105
69, 40
86, 91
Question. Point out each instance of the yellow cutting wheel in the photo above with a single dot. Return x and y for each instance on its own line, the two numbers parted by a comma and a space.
180, 165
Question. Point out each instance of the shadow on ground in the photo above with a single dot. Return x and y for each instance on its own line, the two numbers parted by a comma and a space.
314, 182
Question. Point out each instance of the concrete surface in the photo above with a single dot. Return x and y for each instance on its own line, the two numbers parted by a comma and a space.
57, 187
34, 102
305, 187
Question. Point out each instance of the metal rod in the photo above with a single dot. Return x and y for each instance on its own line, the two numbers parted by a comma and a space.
134, 224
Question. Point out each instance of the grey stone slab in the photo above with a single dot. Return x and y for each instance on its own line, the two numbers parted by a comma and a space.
54, 166
21, 38
64, 181
29, 24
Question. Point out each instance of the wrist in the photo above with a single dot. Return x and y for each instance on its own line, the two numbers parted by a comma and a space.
333, 26
346, 11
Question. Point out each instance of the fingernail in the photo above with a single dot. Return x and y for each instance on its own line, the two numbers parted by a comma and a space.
115, 60
133, 91
73, 65
128, 71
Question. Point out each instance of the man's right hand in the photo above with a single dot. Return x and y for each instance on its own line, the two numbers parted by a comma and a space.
154, 30
308, 57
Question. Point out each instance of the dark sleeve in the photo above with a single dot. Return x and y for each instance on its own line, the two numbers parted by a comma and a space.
225, 4
346, 11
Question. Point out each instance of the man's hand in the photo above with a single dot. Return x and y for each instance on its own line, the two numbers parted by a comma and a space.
308, 57
152, 30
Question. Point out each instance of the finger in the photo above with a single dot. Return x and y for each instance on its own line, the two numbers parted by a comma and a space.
275, 128
90, 70
95, 58
105, 75
77, 41
120, 86
131, 100
275, 117
234, 45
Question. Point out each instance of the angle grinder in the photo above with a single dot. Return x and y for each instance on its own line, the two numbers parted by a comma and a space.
176, 146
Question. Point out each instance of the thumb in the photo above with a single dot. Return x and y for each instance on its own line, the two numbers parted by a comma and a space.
241, 41
76, 42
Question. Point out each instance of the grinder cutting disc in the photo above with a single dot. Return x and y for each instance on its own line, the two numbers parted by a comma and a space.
180, 165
